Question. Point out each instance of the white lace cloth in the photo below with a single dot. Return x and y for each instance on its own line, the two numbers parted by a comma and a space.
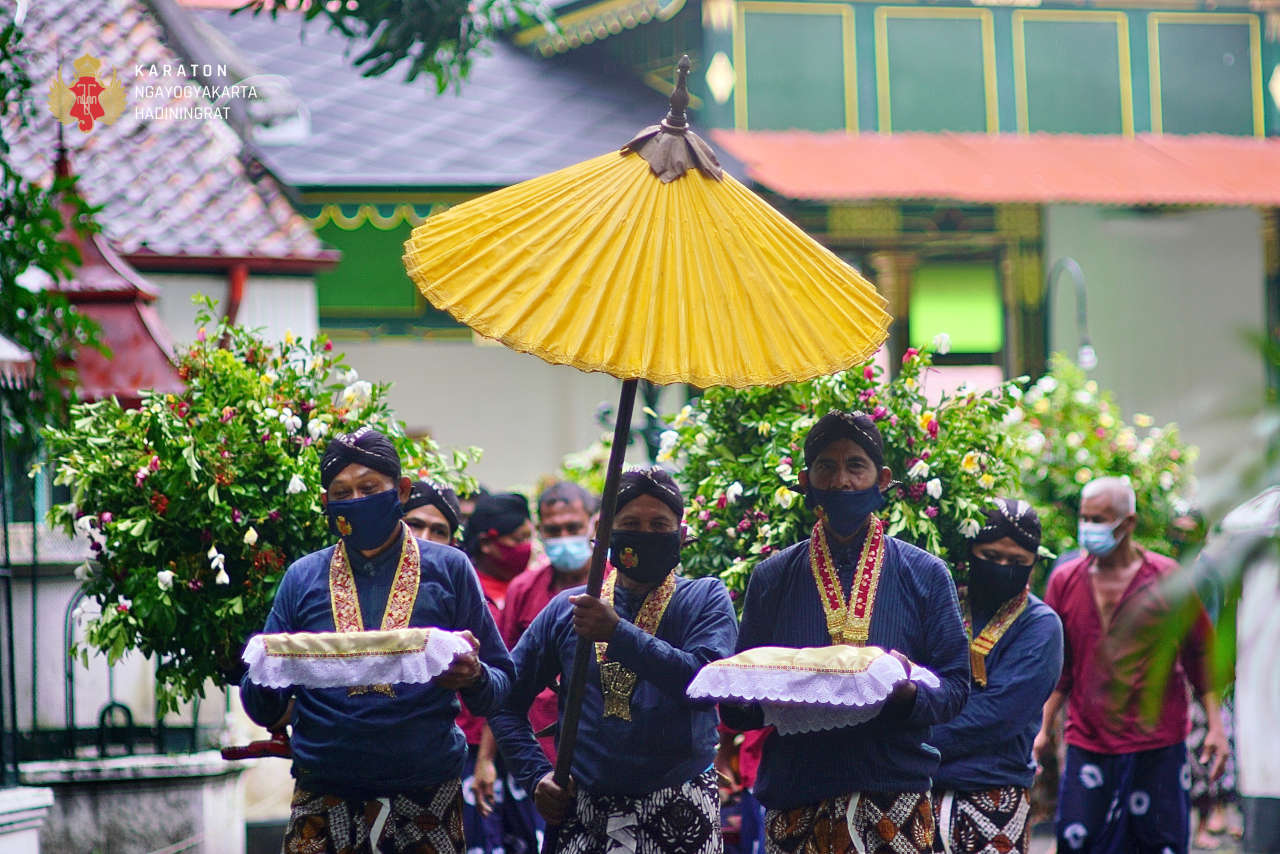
796, 700
347, 659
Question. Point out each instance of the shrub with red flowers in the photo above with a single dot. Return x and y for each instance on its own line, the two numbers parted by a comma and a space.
738, 452
196, 503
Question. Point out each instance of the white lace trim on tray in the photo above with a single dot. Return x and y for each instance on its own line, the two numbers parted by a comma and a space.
807, 701
330, 670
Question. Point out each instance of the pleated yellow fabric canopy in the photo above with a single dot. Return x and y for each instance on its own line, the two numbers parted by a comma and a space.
606, 266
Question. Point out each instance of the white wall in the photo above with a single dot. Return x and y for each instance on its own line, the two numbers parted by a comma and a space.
524, 413
1170, 297
276, 303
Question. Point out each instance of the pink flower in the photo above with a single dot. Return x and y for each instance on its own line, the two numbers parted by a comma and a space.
200, 334
228, 412
195, 584
1100, 433
274, 515
911, 442
328, 345
704, 515
911, 353
722, 501
868, 373
931, 512
266, 437
926, 454
867, 395
765, 549
933, 429
916, 491
140, 475
712, 525
237, 516
879, 413
154, 464
787, 461
105, 517
122, 608
893, 421
744, 525
226, 455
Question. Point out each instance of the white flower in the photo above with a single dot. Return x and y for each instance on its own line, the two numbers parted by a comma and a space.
222, 577
251, 536
1013, 416
164, 578
217, 560
784, 470
296, 485
78, 614
733, 493
84, 571
1083, 396
292, 423
784, 497
269, 377
1034, 442
803, 423
969, 528
934, 488
1074, 440
1145, 447
357, 394
122, 602
667, 441
317, 429
1166, 480
919, 471
942, 343
700, 440
1047, 384
349, 377
270, 414
682, 417
986, 481
84, 525
1083, 455
1013, 391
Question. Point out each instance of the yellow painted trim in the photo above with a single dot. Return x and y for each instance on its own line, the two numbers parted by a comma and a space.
788, 7
1123, 57
332, 214
582, 26
1155, 19
983, 16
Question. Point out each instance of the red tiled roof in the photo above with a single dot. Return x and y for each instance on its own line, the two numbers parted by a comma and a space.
1037, 168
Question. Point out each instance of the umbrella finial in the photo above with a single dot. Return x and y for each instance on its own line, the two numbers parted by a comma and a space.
670, 148
676, 120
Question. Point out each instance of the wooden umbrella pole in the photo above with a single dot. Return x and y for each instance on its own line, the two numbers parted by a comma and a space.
595, 579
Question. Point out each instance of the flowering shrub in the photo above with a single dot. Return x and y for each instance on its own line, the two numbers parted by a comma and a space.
196, 503
738, 452
1071, 432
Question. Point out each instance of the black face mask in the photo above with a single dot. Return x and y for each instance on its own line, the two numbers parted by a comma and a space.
992, 584
644, 556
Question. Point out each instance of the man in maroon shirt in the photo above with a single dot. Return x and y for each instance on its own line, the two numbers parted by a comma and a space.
1125, 784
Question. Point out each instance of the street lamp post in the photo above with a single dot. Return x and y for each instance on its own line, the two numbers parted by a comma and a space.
1086, 357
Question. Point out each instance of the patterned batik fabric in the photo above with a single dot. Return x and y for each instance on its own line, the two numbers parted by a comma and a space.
1205, 791
675, 820
1124, 803
428, 821
992, 821
881, 823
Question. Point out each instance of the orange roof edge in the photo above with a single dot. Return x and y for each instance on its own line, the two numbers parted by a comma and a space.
1147, 169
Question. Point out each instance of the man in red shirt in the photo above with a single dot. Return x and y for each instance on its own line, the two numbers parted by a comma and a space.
1125, 784
565, 511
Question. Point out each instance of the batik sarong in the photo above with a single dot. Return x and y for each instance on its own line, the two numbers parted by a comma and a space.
990, 821
676, 820
878, 823
427, 821
1126, 803
514, 826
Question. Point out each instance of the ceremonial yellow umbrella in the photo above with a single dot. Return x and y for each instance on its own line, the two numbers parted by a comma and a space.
646, 263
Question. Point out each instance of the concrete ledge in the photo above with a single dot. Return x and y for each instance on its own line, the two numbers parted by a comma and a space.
206, 764
22, 814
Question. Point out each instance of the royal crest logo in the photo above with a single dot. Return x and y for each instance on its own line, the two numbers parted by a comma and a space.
344, 527
629, 558
89, 98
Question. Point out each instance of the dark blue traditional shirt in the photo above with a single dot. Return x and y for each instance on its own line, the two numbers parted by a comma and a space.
915, 613
669, 740
372, 745
989, 743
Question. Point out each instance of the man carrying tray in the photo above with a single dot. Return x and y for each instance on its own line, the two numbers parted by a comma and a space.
861, 788
981, 797
377, 766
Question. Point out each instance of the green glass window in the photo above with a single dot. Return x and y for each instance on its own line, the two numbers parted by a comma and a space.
961, 299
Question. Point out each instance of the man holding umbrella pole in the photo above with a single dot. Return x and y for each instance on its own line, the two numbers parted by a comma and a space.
641, 779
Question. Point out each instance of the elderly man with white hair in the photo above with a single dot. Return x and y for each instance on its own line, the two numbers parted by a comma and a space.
1125, 785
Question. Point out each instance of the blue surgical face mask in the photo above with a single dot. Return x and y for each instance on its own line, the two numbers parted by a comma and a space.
365, 523
1098, 538
568, 554
845, 510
